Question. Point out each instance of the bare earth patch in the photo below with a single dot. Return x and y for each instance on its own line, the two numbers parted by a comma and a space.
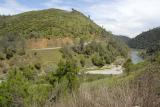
115, 70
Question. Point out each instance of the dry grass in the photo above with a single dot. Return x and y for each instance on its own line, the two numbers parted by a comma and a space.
138, 93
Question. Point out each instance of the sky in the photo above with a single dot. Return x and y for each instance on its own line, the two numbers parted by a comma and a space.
121, 17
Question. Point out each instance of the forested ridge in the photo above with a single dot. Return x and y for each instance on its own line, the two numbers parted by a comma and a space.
50, 23
149, 40
122, 38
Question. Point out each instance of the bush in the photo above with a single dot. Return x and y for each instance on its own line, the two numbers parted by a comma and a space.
127, 65
82, 61
68, 71
12, 44
98, 61
37, 66
2, 56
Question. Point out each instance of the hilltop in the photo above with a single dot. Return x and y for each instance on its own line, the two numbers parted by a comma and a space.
146, 39
124, 39
50, 23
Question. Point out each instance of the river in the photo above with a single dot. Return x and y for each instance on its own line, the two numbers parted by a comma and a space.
135, 57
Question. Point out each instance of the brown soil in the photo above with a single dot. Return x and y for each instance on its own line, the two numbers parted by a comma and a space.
47, 43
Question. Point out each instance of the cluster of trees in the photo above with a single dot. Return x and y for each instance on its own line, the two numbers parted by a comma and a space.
145, 39
99, 53
149, 40
10, 45
24, 86
124, 39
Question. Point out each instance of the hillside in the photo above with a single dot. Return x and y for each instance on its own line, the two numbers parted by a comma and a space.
124, 39
66, 46
145, 40
50, 23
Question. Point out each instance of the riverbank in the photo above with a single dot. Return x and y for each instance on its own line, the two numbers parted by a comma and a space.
112, 70
135, 57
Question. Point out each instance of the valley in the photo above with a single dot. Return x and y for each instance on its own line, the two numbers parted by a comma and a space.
61, 58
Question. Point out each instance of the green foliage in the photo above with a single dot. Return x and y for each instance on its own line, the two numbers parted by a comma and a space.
38, 94
68, 71
98, 52
22, 89
14, 90
29, 72
12, 44
38, 66
65, 79
82, 61
98, 61
2, 56
49, 23
127, 65
149, 40
67, 52
122, 38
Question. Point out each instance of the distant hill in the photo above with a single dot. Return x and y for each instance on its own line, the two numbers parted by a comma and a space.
146, 39
125, 39
50, 23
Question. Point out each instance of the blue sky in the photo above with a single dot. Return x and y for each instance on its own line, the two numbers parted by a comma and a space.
124, 17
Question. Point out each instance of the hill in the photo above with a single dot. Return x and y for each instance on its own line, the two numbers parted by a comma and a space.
122, 38
57, 28
146, 39
50, 23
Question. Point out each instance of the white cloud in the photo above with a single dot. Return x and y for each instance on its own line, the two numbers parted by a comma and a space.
52, 2
56, 4
10, 7
127, 17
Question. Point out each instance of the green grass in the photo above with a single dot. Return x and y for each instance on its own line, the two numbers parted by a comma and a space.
48, 56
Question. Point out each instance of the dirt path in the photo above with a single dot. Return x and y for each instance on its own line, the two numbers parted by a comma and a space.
43, 49
115, 70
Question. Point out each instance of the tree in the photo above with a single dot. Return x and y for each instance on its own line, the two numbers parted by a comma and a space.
127, 65
14, 90
97, 60
68, 71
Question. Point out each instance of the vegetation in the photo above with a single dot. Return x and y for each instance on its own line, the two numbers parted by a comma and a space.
149, 40
97, 53
123, 38
10, 45
127, 65
127, 94
50, 23
24, 87
37, 78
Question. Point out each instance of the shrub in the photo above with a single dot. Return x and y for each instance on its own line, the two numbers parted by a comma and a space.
82, 61
2, 56
127, 65
11, 44
98, 61
37, 66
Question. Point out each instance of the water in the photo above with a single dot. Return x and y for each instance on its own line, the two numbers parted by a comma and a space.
135, 57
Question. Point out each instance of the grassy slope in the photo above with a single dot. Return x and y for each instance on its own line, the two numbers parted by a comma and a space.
50, 23
49, 56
